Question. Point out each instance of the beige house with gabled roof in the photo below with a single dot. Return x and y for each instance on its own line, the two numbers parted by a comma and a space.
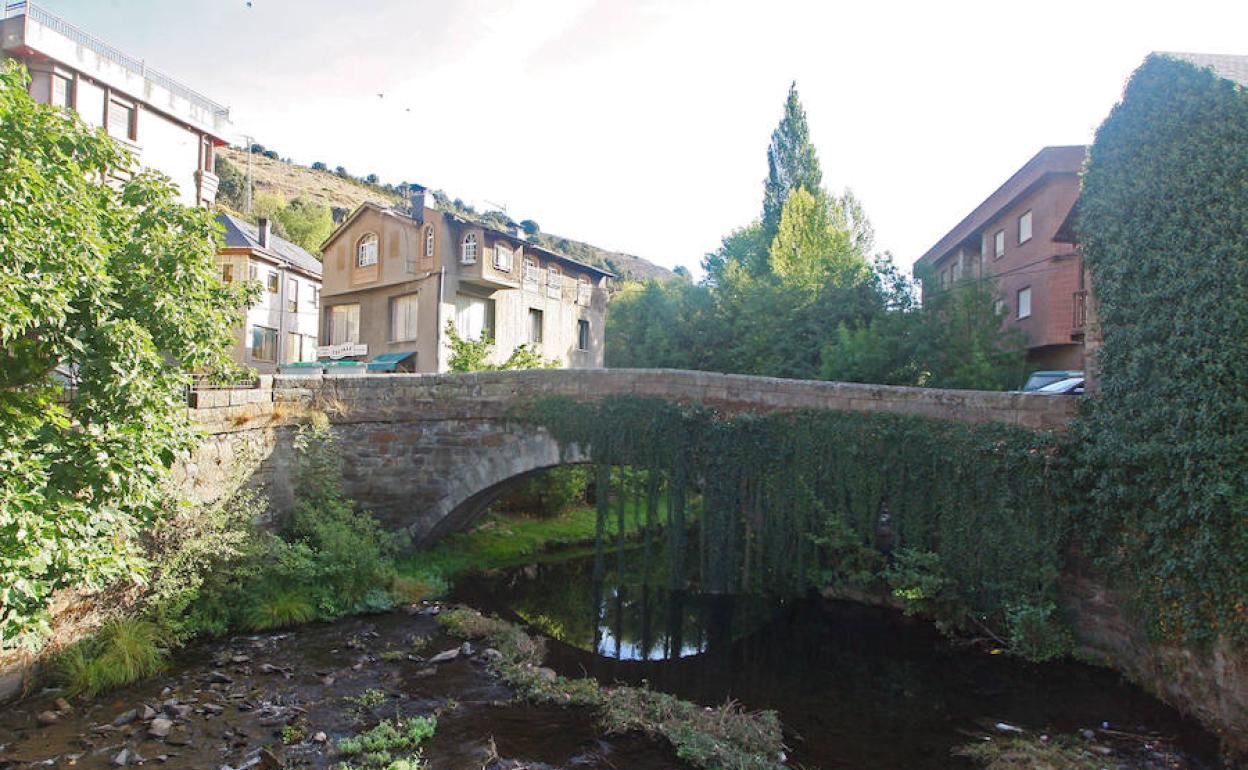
394, 277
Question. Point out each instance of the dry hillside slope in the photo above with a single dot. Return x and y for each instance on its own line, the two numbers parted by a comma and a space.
291, 180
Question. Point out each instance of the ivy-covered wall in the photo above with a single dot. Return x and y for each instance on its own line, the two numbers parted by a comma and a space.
1164, 230
964, 522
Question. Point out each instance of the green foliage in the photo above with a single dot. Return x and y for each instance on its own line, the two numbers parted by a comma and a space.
232, 187
279, 608
549, 493
368, 699
122, 651
307, 224
469, 355
977, 514
792, 162
813, 246
112, 283
1036, 633
956, 339
377, 747
1164, 230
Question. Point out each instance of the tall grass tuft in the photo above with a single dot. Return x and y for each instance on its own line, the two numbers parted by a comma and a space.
124, 650
279, 610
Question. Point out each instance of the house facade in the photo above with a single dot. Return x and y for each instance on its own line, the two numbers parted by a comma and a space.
283, 326
395, 277
168, 126
1014, 238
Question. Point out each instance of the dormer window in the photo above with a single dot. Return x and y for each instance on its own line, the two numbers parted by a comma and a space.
366, 250
429, 241
502, 258
469, 255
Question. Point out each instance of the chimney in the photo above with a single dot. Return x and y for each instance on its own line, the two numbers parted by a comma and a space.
264, 227
416, 202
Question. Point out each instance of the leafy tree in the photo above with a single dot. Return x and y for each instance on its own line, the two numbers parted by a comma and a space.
269, 205
111, 284
232, 188
530, 227
1164, 230
372, 179
469, 355
813, 246
319, 166
791, 162
306, 223
341, 171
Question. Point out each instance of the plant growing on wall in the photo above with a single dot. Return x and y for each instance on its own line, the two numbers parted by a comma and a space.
109, 295
1164, 230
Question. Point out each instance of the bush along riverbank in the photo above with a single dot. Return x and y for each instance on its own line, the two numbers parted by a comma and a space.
723, 737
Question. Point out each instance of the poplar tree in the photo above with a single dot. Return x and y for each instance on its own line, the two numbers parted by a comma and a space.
791, 162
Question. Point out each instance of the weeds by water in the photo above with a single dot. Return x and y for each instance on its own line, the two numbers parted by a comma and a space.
722, 737
376, 749
124, 650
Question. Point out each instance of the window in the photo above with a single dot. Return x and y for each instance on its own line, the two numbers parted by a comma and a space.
582, 335
1024, 302
474, 317
121, 119
366, 250
1024, 227
309, 348
532, 275
998, 242
998, 307
292, 352
944, 279
502, 258
429, 241
535, 326
227, 273
403, 318
263, 344
344, 324
553, 282
292, 295
584, 291
270, 282
316, 296
253, 273
62, 91
469, 256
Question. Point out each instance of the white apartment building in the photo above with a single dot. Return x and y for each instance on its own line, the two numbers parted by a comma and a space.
170, 127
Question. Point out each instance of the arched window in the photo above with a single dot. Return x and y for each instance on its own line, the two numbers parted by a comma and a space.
470, 249
366, 250
429, 241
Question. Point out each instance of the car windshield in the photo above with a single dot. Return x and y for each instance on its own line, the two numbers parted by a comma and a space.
1038, 381
1062, 385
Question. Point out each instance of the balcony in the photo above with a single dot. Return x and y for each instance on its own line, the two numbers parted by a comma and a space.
1080, 317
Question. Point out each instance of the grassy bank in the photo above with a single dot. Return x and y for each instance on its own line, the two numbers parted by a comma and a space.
503, 540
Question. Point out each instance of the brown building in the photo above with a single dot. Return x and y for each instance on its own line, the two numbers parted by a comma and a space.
1012, 238
394, 277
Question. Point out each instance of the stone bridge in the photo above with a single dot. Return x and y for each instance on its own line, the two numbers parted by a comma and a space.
429, 452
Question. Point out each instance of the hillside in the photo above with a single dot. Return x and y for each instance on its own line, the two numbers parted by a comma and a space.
344, 193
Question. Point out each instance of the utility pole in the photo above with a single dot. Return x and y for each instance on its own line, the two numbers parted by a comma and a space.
247, 191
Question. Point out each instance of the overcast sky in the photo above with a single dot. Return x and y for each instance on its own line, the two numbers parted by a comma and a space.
643, 126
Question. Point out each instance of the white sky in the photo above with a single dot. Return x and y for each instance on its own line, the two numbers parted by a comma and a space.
642, 126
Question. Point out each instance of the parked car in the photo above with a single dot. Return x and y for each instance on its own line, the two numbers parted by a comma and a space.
1071, 386
1038, 380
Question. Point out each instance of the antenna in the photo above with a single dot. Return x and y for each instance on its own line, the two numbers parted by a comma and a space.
500, 206
247, 192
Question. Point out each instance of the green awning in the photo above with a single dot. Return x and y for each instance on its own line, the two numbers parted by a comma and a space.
389, 362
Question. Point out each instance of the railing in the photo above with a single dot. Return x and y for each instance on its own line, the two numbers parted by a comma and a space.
1081, 311
137, 66
201, 382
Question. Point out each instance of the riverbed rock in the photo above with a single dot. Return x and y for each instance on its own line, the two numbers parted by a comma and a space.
125, 757
217, 677
46, 718
466, 648
147, 713
319, 737
445, 657
491, 655
62, 706
177, 710
546, 674
269, 760
126, 717
160, 727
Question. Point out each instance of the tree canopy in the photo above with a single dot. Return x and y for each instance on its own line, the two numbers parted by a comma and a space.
109, 294
792, 162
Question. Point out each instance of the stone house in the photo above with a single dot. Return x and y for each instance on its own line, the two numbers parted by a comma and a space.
168, 126
395, 277
283, 326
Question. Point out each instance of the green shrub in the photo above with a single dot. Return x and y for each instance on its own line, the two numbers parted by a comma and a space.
1036, 633
122, 651
376, 748
549, 493
919, 580
280, 609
